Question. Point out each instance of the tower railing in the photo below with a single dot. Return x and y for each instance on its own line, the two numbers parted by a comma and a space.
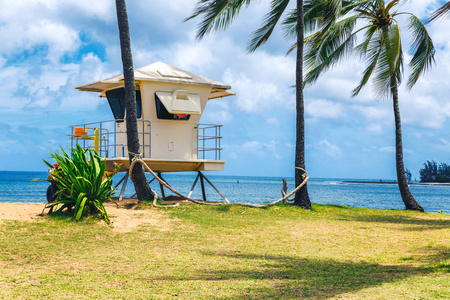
111, 142
209, 139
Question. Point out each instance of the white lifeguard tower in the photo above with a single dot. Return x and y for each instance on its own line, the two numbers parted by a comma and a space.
170, 103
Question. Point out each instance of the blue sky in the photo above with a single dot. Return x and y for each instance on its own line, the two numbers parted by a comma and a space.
50, 46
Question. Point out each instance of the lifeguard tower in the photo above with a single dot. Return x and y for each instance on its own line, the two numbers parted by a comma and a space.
169, 103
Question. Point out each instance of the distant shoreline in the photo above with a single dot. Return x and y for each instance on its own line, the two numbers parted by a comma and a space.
395, 182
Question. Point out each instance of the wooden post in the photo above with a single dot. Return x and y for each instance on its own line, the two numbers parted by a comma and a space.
284, 190
161, 186
193, 186
212, 185
120, 181
203, 187
124, 185
134, 195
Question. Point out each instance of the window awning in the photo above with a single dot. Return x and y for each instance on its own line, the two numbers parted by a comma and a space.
180, 102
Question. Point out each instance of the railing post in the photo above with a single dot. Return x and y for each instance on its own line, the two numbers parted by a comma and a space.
115, 139
219, 137
215, 143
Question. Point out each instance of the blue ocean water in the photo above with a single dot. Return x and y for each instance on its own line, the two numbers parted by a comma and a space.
16, 187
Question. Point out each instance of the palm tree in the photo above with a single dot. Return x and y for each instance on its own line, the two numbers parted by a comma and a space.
381, 49
442, 11
218, 15
139, 179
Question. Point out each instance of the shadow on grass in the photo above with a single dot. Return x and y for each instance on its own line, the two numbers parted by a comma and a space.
438, 260
339, 206
418, 223
59, 215
281, 276
67, 216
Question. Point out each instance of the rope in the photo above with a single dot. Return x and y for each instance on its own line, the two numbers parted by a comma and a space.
138, 159
155, 204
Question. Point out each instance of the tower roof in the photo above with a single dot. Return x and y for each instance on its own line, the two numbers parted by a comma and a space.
160, 72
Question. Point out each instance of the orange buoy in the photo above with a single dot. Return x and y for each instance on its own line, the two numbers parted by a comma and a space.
80, 131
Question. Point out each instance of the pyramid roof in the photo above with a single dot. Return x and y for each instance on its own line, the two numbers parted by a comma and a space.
159, 72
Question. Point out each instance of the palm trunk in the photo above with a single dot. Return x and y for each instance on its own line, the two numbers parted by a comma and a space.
407, 197
301, 197
139, 179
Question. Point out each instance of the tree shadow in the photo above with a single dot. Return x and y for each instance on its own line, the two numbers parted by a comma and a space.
438, 260
339, 206
282, 277
417, 223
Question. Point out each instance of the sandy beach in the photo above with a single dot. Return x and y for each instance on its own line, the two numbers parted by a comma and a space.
122, 219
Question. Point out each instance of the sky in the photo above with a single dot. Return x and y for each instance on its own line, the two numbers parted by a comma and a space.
49, 46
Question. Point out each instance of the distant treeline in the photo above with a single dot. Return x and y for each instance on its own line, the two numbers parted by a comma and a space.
434, 172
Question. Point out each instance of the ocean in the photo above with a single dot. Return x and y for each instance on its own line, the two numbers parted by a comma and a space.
16, 187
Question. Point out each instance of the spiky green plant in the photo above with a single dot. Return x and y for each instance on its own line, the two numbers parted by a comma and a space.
82, 183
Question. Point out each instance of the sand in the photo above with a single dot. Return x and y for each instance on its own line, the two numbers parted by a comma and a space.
122, 219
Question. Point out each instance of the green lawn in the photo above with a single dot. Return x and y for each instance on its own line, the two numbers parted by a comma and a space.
231, 252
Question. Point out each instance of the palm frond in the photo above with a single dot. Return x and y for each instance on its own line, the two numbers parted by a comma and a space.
217, 14
389, 68
370, 49
362, 48
289, 25
442, 11
328, 47
390, 5
318, 14
350, 5
423, 50
293, 47
261, 35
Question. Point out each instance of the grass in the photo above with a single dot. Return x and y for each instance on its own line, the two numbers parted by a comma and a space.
231, 252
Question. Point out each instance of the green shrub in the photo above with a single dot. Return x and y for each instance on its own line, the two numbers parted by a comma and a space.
82, 183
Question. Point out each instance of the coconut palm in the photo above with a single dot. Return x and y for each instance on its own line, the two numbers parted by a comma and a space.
442, 11
218, 15
139, 179
381, 48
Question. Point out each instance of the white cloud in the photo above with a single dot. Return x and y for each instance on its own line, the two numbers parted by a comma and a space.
268, 149
324, 109
289, 145
388, 149
195, 56
10, 78
421, 8
377, 111
26, 32
273, 121
252, 96
217, 116
425, 112
445, 141
58, 37
330, 149
375, 128
391, 149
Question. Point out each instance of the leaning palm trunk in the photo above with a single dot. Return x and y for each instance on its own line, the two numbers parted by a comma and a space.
301, 197
407, 197
139, 179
